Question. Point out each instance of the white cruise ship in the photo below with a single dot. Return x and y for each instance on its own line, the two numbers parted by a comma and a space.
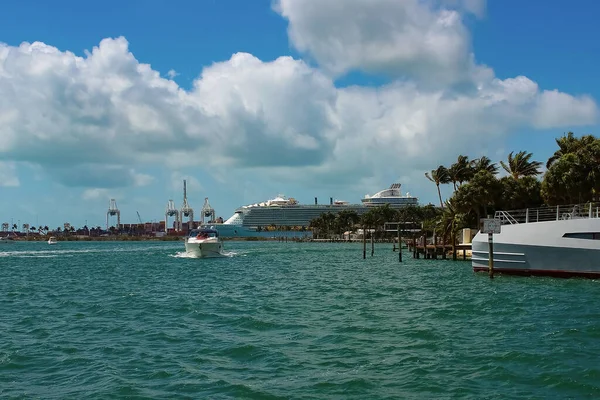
560, 241
282, 211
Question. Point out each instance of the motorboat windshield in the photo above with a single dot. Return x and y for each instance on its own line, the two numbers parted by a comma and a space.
204, 233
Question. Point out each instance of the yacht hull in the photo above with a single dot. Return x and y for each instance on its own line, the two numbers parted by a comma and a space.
542, 249
204, 248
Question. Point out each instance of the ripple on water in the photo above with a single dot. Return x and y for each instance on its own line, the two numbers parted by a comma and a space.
286, 320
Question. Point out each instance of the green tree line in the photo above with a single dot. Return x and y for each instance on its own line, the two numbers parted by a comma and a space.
572, 176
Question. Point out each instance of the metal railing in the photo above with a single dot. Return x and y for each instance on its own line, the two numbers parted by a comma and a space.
551, 213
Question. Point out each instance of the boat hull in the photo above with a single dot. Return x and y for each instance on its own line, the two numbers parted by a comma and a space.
204, 249
541, 249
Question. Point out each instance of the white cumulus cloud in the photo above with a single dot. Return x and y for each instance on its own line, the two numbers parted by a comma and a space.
8, 174
97, 121
95, 194
408, 38
192, 184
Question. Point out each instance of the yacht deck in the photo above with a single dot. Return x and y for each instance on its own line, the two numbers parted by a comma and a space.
549, 213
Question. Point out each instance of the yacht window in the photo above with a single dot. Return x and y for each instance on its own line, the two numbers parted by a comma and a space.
583, 235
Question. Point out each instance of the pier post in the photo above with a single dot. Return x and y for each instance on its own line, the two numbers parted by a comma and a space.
444, 255
491, 226
399, 245
364, 243
414, 249
491, 254
372, 244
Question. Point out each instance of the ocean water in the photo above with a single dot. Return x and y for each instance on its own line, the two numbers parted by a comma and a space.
273, 320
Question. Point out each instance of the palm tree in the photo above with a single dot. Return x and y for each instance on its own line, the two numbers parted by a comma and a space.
316, 225
369, 221
346, 219
459, 172
569, 144
386, 213
520, 165
439, 176
449, 224
566, 144
466, 173
483, 163
329, 222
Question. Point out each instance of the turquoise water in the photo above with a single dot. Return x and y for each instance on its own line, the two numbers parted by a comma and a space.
285, 320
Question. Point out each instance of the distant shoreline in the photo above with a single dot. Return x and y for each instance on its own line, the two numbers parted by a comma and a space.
144, 239
281, 239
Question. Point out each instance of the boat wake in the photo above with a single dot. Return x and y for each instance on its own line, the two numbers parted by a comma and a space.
184, 254
72, 252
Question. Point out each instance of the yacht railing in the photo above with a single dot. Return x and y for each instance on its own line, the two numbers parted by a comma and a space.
550, 213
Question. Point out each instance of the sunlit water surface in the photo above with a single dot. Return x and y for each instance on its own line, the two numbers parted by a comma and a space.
285, 320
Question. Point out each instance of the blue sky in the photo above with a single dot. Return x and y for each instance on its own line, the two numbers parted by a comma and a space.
359, 104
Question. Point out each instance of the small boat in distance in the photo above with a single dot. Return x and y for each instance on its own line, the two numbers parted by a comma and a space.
204, 243
52, 240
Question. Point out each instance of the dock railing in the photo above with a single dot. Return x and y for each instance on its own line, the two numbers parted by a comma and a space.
549, 213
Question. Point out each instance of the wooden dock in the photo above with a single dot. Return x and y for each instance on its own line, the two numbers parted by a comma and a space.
440, 251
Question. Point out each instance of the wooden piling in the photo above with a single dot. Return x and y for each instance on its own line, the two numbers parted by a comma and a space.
453, 238
372, 244
399, 245
491, 255
364, 243
414, 249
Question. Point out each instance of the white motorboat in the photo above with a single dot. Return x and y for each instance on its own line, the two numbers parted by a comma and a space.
204, 243
560, 241
52, 240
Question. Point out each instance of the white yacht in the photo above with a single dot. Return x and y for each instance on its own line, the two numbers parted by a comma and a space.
561, 241
204, 243
52, 240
